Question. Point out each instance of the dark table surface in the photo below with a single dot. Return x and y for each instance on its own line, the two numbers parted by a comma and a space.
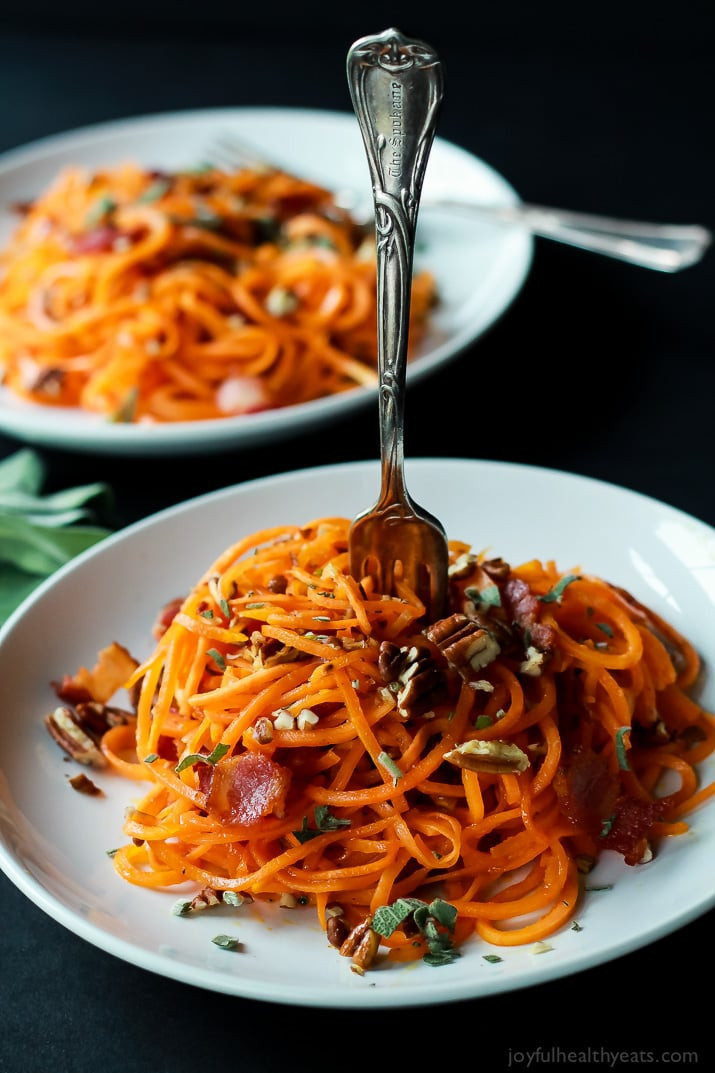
598, 368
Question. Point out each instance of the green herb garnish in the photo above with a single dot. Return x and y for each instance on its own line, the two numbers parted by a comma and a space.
226, 942
554, 595
435, 921
211, 758
621, 746
217, 658
324, 821
489, 597
389, 763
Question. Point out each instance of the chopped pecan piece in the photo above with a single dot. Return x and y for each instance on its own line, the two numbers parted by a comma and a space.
491, 757
497, 569
337, 931
97, 718
413, 675
462, 566
49, 382
278, 584
267, 651
65, 730
84, 785
465, 644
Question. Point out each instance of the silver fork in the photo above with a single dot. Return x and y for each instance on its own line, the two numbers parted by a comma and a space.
396, 89
663, 247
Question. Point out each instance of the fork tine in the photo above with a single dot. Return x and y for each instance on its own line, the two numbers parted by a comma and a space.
228, 150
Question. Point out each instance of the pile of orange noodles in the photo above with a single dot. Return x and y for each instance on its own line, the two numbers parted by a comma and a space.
305, 737
149, 296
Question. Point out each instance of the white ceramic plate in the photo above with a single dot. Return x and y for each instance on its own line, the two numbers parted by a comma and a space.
54, 842
479, 268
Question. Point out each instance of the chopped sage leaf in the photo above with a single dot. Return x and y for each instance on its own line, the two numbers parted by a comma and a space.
489, 597
217, 658
482, 722
211, 758
554, 595
605, 628
388, 763
493, 959
151, 758
181, 908
226, 942
576, 926
621, 746
208, 613
606, 826
99, 211
606, 886
223, 604
429, 918
155, 190
324, 821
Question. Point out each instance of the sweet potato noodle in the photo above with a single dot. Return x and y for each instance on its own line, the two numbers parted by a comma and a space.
154, 297
307, 739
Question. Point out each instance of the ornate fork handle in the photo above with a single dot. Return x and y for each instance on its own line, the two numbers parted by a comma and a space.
396, 87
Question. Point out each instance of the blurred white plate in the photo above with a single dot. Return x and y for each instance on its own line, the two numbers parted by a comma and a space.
54, 842
479, 268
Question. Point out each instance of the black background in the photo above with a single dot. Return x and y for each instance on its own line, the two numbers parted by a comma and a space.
598, 368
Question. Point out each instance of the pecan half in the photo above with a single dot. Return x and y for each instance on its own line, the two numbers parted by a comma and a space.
465, 644
75, 741
491, 757
413, 675
361, 945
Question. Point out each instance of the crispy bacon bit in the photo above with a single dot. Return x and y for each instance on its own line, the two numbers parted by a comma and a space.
98, 240
245, 788
523, 608
632, 827
587, 789
165, 617
112, 669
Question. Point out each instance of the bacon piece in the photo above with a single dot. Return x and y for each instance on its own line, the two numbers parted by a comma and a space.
98, 240
113, 667
587, 789
165, 617
247, 787
632, 827
523, 608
